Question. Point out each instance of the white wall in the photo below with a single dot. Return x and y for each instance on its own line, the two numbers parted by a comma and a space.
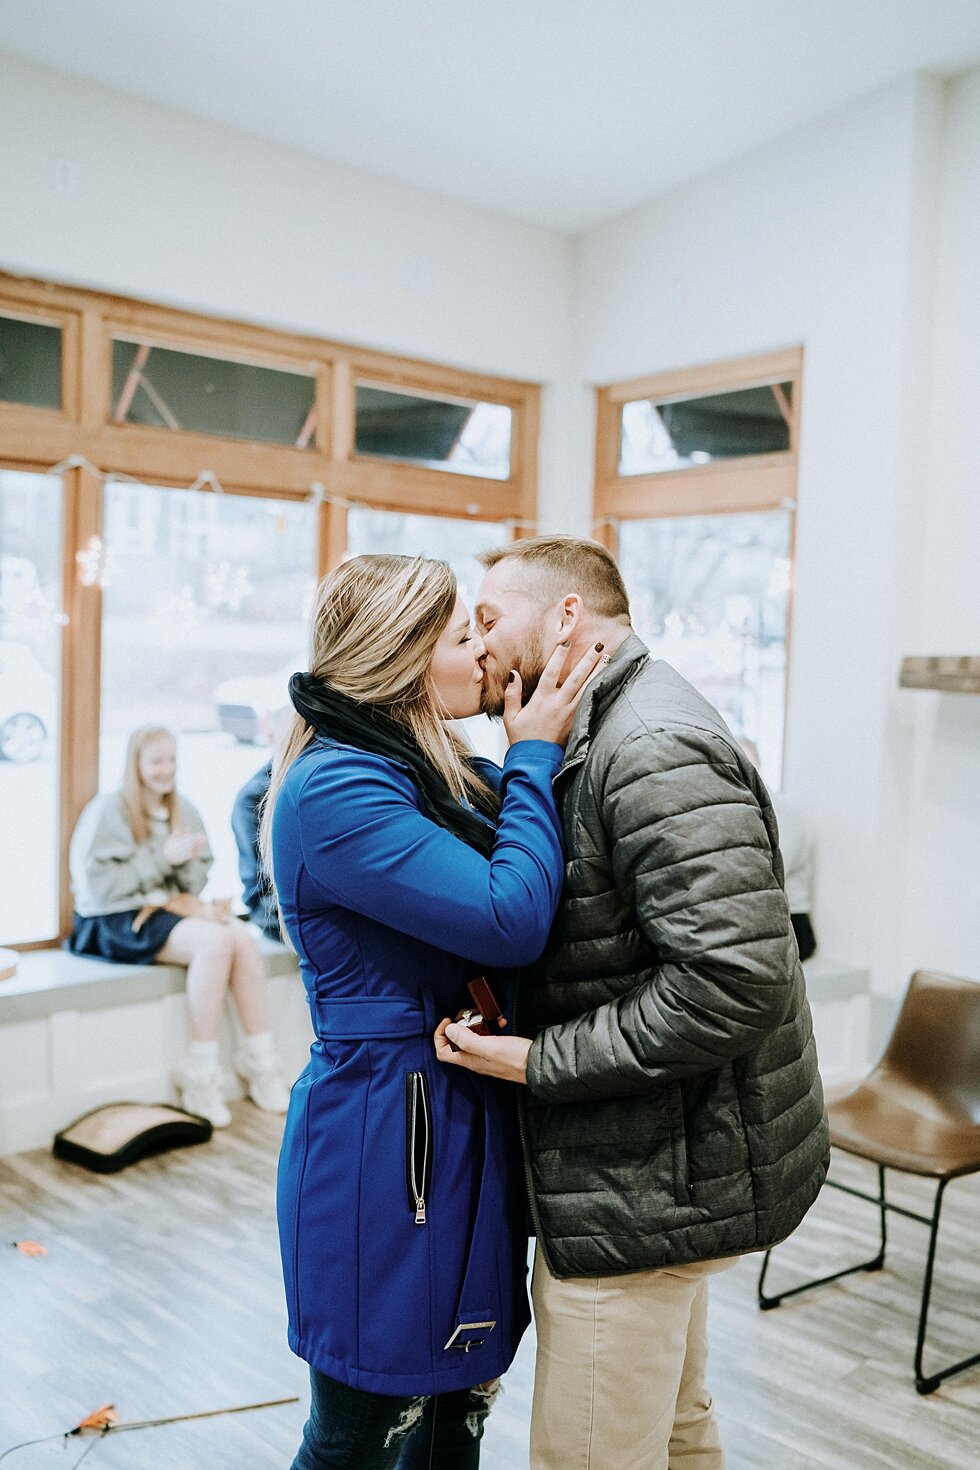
941, 913
823, 238
185, 212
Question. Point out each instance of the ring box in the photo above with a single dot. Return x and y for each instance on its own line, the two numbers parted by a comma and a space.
485, 1011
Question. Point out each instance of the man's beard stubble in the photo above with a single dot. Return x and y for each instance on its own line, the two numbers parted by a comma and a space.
529, 661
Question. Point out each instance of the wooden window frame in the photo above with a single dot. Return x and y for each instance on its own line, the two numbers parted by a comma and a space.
34, 439
758, 482
751, 482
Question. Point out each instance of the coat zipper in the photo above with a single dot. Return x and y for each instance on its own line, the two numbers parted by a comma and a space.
682, 1167
559, 776
418, 1143
569, 766
526, 1159
532, 1202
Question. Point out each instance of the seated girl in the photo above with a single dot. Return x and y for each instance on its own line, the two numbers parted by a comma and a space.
139, 861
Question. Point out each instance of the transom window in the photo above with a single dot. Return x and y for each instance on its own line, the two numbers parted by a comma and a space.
680, 433
30, 362
210, 395
467, 438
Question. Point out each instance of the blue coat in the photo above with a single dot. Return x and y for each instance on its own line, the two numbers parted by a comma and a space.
401, 1202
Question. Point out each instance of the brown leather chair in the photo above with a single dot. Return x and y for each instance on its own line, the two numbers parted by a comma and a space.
918, 1112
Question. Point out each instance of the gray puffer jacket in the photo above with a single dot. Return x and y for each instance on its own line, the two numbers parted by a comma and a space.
674, 1111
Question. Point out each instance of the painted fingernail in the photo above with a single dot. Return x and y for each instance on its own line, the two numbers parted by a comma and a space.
567, 643
599, 647
510, 677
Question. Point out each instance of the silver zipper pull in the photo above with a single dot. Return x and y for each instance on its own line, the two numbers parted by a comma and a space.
420, 1212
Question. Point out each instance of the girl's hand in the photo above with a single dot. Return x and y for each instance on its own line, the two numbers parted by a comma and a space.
187, 905
180, 847
549, 713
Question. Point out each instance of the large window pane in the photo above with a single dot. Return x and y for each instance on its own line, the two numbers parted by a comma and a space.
30, 662
680, 433
30, 363
710, 595
441, 434
210, 395
206, 610
455, 541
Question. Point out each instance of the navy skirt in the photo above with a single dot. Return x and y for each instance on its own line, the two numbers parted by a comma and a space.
112, 936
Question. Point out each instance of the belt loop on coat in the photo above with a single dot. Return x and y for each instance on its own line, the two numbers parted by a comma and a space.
367, 1017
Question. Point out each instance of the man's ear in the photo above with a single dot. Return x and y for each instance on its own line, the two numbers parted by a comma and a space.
572, 611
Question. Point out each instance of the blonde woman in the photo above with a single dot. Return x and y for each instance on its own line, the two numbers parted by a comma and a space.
139, 860
404, 868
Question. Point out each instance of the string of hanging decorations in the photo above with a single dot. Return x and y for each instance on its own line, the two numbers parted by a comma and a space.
91, 558
318, 494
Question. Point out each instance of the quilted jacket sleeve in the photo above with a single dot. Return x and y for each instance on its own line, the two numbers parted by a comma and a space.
690, 850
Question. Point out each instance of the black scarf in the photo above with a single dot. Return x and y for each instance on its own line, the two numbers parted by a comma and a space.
367, 726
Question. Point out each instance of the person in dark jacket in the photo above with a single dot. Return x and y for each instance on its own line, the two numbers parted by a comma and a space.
672, 1114
257, 890
404, 867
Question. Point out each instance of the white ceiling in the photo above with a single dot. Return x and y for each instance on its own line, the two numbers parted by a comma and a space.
562, 112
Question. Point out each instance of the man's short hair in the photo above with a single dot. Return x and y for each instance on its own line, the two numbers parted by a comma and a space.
560, 565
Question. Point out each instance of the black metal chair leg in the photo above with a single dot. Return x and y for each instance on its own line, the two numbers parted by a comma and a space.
927, 1383
924, 1383
883, 1211
767, 1303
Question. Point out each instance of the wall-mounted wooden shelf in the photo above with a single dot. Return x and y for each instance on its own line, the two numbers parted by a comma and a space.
953, 675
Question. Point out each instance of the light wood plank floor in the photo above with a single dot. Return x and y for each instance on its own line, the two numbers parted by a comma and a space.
161, 1292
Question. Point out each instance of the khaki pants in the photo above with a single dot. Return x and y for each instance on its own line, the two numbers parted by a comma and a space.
619, 1381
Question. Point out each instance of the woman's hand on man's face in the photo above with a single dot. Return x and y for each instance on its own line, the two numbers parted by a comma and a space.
492, 1056
549, 713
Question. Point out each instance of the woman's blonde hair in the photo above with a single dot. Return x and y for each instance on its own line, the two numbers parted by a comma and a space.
133, 790
376, 623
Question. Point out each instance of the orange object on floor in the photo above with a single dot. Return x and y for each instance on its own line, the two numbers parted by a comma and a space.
99, 1419
30, 1247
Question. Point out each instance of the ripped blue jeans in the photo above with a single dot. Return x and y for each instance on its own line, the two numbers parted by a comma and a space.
351, 1429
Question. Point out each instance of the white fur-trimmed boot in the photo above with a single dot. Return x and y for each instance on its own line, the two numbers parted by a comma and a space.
256, 1062
201, 1083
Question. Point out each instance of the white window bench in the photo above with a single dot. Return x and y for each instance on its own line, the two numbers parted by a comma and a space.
78, 1032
